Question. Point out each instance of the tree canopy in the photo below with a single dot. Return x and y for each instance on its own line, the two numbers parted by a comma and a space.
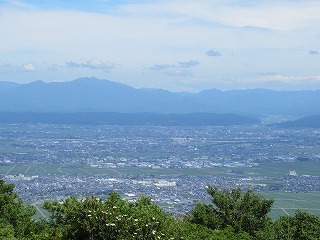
232, 215
243, 211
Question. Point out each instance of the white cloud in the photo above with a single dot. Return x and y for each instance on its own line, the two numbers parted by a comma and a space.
262, 36
29, 67
97, 64
92, 64
271, 14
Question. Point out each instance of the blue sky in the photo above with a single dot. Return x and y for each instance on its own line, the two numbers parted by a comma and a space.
171, 44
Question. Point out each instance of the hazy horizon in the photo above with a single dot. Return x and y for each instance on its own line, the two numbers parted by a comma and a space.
173, 45
155, 88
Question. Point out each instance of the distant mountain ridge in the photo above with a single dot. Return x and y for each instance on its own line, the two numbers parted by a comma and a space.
133, 119
305, 122
95, 95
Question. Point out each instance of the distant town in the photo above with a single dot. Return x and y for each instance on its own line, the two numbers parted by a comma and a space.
172, 165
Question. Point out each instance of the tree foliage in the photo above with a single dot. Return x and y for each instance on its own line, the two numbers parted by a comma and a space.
232, 215
302, 226
93, 218
115, 218
15, 217
243, 211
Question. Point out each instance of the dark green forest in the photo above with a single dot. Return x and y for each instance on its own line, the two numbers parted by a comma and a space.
232, 214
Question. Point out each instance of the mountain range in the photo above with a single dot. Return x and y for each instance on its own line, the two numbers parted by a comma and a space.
96, 95
304, 122
129, 119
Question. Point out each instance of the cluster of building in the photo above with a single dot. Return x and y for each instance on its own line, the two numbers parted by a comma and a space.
172, 165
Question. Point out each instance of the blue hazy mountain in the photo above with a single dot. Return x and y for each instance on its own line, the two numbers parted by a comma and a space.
305, 122
262, 101
7, 85
110, 118
94, 95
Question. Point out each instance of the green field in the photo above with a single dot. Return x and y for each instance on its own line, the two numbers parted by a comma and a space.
263, 170
281, 169
83, 169
287, 203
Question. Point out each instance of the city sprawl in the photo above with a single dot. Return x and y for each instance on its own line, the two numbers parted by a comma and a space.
172, 165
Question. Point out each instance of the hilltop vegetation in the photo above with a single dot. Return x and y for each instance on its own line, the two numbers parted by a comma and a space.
232, 215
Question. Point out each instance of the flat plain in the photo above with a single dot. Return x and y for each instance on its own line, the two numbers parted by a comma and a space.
170, 164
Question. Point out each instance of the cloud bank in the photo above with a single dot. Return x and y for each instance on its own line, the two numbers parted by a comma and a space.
153, 41
92, 64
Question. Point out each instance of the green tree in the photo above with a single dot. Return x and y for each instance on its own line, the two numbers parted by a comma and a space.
14, 215
303, 226
6, 232
233, 215
243, 211
115, 218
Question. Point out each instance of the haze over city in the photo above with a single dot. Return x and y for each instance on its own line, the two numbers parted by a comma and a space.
174, 45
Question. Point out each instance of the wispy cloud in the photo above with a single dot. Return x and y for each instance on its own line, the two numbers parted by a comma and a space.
19, 4
92, 64
176, 70
178, 73
161, 66
97, 64
213, 53
189, 64
283, 79
313, 52
4, 64
264, 36
72, 64
55, 67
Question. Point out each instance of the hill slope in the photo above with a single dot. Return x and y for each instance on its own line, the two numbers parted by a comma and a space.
151, 119
305, 122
